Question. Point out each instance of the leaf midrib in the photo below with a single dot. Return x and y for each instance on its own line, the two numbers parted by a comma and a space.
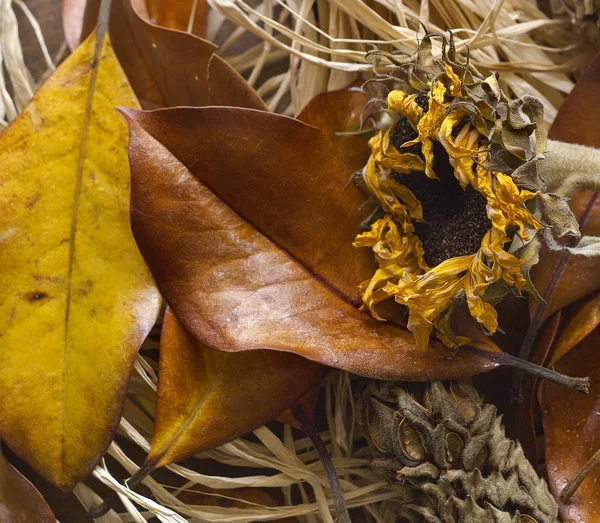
94, 67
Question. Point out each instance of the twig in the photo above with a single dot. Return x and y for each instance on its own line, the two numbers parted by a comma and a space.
573, 485
336, 490
508, 360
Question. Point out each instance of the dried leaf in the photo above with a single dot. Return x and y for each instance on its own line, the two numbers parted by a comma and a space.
264, 262
177, 14
167, 67
308, 404
527, 416
340, 111
208, 397
576, 122
584, 320
73, 12
77, 298
572, 430
20, 502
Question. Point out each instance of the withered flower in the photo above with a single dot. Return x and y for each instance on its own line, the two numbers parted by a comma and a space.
455, 172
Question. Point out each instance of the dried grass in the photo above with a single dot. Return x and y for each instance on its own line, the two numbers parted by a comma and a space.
314, 45
288, 463
325, 41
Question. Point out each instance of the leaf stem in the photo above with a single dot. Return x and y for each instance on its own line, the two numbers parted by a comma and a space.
113, 498
508, 360
309, 428
573, 485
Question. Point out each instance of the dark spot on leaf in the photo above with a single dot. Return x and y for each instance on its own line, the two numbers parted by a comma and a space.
35, 296
33, 200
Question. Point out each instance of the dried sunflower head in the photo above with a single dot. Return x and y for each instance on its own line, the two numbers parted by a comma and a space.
455, 173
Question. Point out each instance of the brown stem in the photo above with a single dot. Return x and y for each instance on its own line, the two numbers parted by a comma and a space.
113, 498
573, 485
539, 314
502, 358
311, 431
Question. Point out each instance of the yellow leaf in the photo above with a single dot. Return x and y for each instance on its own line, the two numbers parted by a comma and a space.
76, 299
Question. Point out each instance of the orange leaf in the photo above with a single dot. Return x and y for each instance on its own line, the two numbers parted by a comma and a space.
572, 431
340, 111
207, 397
265, 261
177, 14
584, 320
20, 502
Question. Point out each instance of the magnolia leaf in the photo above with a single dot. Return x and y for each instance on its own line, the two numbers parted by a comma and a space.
20, 502
250, 387
308, 404
526, 416
340, 111
572, 431
167, 67
265, 261
183, 15
208, 397
584, 320
570, 279
77, 298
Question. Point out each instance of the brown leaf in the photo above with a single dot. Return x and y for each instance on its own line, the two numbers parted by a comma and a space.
572, 431
580, 275
165, 67
20, 502
264, 262
527, 416
208, 397
308, 404
177, 14
576, 122
584, 320
340, 111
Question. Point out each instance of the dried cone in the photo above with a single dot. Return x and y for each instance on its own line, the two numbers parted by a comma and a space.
449, 452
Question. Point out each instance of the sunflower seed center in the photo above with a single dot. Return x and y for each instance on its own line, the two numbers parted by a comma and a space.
457, 218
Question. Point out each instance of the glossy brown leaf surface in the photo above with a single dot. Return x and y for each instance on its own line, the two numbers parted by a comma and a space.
340, 111
583, 321
572, 431
20, 502
183, 15
165, 67
578, 121
208, 397
265, 261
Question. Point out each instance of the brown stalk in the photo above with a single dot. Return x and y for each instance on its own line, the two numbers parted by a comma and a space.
572, 486
311, 431
524, 366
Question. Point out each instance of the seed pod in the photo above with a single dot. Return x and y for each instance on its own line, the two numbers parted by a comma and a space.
451, 449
